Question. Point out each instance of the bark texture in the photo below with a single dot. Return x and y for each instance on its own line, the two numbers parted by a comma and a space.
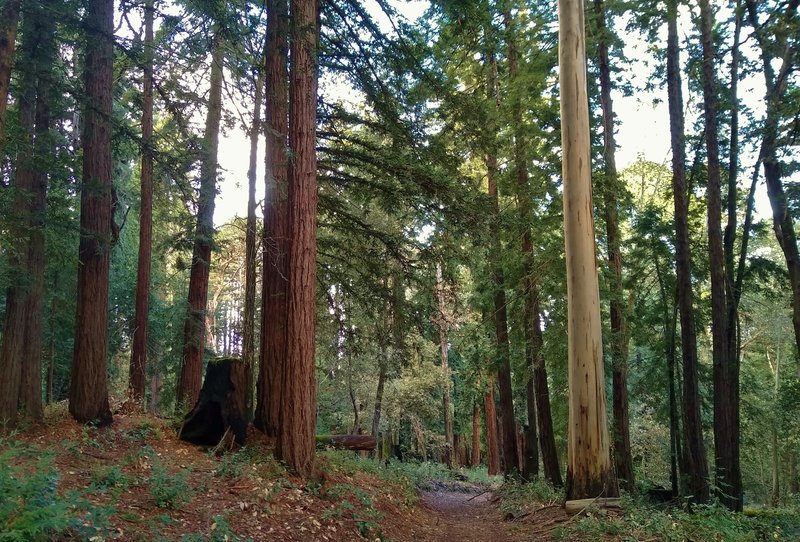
194, 330
140, 320
443, 347
9, 16
492, 446
295, 443
695, 466
476, 436
589, 472
276, 223
88, 394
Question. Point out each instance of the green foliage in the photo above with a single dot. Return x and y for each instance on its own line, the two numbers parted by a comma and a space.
518, 497
169, 490
111, 478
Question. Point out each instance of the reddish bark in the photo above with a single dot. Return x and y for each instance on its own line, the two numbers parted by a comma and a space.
295, 443
191, 375
492, 446
476, 436
276, 226
9, 16
695, 458
88, 394
140, 319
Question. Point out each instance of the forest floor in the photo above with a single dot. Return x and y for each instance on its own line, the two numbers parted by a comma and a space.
135, 481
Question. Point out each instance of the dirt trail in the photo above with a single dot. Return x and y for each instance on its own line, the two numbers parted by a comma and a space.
465, 516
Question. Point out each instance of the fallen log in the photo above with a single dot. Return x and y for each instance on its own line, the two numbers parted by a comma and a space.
601, 503
348, 442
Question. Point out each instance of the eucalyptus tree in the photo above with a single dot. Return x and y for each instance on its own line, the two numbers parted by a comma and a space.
589, 469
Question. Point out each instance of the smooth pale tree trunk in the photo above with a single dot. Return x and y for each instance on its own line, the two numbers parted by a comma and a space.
249, 325
194, 331
88, 394
443, 347
9, 16
276, 232
589, 469
492, 446
476, 436
695, 466
142, 308
295, 443
619, 332
726, 433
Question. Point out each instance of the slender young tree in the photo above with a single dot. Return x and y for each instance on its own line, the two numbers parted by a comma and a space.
589, 469
194, 332
88, 394
619, 333
249, 339
441, 317
695, 466
492, 446
296, 440
140, 319
9, 15
726, 434
274, 301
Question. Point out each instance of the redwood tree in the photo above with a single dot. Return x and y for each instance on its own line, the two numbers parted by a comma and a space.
696, 469
140, 320
9, 15
88, 394
296, 441
194, 331
274, 301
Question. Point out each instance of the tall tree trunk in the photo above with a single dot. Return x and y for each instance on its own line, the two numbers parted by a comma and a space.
492, 446
695, 458
276, 233
476, 436
782, 220
9, 15
590, 472
530, 465
249, 338
194, 330
547, 440
619, 332
88, 394
140, 320
443, 346
503, 364
726, 434
296, 436
376, 413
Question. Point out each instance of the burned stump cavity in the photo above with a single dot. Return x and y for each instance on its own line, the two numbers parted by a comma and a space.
218, 408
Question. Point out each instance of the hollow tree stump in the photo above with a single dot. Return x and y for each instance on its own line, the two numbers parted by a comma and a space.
219, 406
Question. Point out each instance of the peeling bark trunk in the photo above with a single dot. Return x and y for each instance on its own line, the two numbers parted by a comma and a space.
590, 472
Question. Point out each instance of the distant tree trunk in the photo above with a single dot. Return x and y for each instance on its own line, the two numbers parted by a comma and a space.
476, 436
782, 220
547, 440
492, 446
249, 338
298, 413
9, 16
619, 332
726, 434
530, 465
88, 394
443, 346
140, 320
194, 330
695, 457
376, 414
276, 225
590, 472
